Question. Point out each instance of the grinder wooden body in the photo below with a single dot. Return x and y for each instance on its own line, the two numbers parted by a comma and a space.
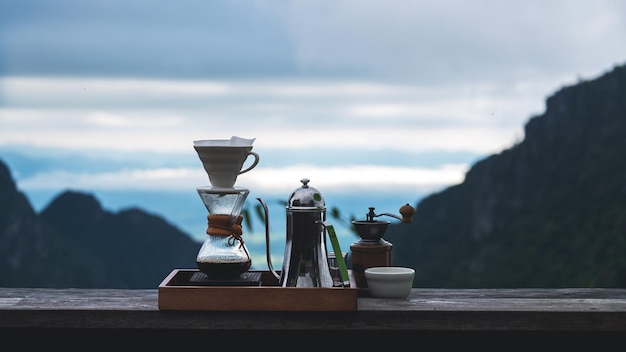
368, 254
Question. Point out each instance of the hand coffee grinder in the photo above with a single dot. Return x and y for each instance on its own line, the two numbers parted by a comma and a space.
372, 249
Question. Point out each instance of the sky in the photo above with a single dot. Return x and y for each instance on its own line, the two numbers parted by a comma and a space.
396, 96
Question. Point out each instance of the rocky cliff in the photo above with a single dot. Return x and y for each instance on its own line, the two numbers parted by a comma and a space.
548, 212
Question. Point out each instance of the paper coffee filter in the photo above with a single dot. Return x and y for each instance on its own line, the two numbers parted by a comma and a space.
233, 141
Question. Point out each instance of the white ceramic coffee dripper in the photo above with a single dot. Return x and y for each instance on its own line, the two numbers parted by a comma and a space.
223, 159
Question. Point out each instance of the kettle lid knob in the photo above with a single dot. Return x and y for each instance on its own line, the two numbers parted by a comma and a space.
306, 198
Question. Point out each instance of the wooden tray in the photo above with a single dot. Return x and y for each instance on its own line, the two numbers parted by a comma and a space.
177, 292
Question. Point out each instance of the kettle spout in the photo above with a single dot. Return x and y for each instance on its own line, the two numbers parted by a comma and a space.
268, 253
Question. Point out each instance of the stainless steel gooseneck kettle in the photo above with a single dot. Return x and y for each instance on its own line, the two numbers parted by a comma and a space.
305, 261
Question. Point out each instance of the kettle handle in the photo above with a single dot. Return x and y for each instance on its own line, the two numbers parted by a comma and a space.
268, 254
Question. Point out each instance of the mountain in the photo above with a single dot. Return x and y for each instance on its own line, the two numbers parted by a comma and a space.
548, 212
74, 242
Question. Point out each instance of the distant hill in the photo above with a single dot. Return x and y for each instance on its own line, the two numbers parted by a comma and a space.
76, 243
548, 212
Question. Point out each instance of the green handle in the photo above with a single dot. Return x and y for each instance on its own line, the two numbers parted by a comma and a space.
343, 269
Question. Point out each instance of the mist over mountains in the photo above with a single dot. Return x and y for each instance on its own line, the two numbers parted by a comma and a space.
547, 212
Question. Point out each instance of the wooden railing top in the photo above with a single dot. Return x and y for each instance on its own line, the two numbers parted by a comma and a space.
573, 309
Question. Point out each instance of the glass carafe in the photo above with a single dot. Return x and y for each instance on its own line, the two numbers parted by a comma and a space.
223, 254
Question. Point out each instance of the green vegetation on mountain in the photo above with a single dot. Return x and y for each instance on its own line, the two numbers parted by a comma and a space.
548, 212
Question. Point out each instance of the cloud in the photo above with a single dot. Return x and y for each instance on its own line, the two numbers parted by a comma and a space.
123, 114
352, 178
426, 42
356, 178
440, 42
332, 85
141, 39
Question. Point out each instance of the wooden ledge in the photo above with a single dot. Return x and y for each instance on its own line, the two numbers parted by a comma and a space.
462, 310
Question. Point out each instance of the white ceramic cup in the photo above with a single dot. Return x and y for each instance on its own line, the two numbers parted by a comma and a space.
389, 281
224, 163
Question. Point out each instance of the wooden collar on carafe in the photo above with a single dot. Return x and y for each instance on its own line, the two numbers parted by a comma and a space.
222, 225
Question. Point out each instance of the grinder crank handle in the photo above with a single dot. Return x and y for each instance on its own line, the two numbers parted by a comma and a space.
406, 210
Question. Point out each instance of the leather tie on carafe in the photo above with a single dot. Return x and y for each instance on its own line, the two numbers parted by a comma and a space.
222, 225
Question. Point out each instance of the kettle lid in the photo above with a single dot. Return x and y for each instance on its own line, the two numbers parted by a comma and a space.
306, 197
